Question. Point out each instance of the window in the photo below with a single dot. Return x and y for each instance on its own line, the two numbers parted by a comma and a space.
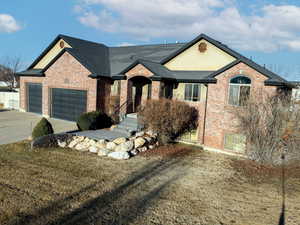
191, 136
239, 90
116, 88
192, 92
235, 142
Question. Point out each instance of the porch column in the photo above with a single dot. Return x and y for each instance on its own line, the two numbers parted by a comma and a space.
123, 92
155, 92
126, 93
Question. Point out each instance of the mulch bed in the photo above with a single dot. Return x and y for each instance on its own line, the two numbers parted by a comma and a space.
171, 150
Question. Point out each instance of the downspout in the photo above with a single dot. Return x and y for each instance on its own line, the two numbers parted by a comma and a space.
205, 110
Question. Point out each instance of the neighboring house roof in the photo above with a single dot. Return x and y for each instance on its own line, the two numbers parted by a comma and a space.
114, 62
296, 83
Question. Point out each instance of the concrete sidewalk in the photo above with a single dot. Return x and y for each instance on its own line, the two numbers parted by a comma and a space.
17, 126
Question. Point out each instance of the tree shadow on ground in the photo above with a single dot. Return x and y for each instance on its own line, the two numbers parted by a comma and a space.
122, 205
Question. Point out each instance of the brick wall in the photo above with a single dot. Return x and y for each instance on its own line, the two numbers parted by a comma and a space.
67, 73
220, 118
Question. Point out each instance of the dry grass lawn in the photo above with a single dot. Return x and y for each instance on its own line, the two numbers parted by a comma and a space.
187, 186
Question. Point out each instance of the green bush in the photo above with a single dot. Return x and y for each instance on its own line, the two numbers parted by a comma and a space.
93, 121
43, 128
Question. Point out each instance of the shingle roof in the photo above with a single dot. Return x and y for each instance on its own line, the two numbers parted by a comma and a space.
122, 57
161, 72
113, 62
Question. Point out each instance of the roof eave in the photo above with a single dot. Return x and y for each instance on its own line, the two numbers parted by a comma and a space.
29, 75
202, 81
278, 84
113, 77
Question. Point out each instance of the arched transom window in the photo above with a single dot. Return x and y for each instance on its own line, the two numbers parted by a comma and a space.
239, 90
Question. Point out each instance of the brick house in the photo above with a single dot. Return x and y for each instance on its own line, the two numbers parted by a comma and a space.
73, 76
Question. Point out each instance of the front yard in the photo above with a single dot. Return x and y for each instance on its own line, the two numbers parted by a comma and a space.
189, 186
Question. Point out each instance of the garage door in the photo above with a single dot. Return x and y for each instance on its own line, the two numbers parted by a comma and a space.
67, 104
34, 97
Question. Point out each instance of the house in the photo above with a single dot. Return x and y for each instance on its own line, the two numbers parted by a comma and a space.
2, 80
296, 90
73, 76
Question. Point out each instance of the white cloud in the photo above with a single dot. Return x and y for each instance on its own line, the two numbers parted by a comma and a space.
270, 28
8, 24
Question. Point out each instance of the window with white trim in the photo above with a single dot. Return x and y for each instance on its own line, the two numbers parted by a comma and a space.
235, 142
192, 92
190, 136
239, 90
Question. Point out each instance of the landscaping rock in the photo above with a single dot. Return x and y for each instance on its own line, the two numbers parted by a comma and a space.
101, 143
148, 139
111, 145
119, 140
82, 147
47, 141
92, 142
93, 149
125, 147
73, 143
119, 155
61, 144
140, 134
151, 133
134, 152
139, 142
103, 152
79, 138
142, 149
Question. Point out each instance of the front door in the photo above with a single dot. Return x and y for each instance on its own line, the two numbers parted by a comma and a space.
138, 93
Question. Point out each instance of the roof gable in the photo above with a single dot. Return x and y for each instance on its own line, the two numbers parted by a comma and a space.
53, 48
196, 40
212, 58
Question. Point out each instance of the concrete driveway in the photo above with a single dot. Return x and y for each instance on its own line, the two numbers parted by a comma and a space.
17, 126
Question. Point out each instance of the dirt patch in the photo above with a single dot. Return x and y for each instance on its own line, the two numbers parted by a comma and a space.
171, 150
257, 173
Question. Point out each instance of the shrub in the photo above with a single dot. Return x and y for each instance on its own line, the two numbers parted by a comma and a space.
112, 104
93, 121
169, 118
271, 125
42, 128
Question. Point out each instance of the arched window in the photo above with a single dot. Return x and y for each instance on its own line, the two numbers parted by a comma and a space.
239, 90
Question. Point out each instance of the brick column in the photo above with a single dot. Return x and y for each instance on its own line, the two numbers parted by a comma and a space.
155, 92
126, 92
46, 103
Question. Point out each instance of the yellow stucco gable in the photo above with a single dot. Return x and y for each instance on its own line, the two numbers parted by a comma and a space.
192, 59
51, 54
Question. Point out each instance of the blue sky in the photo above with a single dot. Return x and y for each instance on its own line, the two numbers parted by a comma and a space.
266, 30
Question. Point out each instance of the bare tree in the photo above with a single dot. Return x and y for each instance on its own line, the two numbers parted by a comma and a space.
271, 125
8, 70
